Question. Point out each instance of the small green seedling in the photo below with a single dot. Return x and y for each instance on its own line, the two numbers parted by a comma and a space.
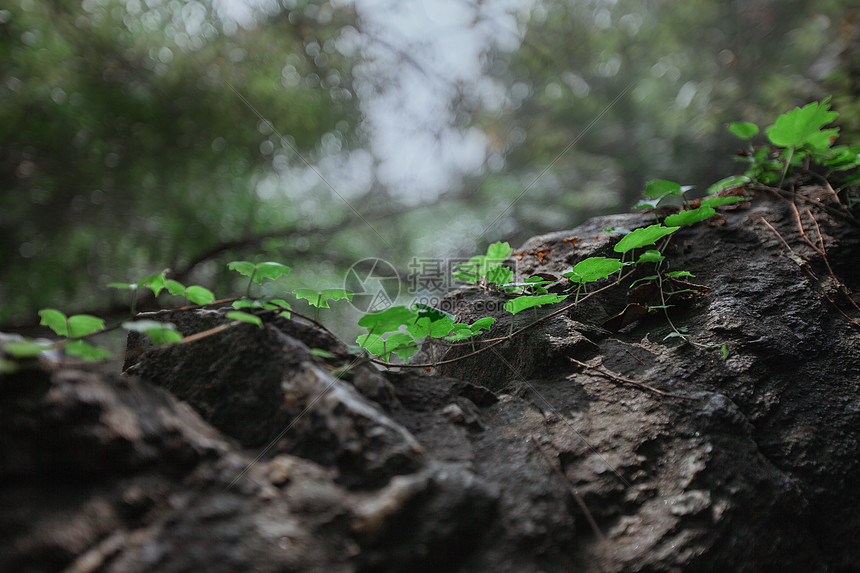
462, 331
801, 134
660, 191
70, 326
319, 298
155, 282
193, 294
426, 327
258, 272
487, 267
75, 327
399, 343
133, 296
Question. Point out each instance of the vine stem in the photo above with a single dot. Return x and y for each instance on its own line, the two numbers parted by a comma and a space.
495, 342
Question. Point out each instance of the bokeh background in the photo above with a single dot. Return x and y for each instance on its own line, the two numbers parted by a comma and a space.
140, 135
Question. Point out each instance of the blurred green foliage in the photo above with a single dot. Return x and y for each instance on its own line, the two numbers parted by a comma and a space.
123, 148
126, 147
644, 89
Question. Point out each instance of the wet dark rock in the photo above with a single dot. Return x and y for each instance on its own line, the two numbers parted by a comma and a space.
244, 451
264, 388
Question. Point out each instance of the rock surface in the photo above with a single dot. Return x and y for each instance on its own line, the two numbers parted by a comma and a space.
245, 451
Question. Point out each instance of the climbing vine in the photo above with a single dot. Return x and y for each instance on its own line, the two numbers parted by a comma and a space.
799, 142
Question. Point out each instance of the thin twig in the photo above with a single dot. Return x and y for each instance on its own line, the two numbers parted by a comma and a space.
802, 231
555, 466
621, 379
496, 341
842, 214
775, 232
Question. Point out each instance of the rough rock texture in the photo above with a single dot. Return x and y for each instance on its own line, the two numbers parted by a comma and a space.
684, 461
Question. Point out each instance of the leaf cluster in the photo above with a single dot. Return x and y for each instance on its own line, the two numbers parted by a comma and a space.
798, 140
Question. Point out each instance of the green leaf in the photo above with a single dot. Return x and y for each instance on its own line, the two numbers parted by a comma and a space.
280, 303
145, 324
389, 320
717, 201
401, 344
534, 284
459, 331
155, 282
86, 351
320, 298
199, 295
26, 349
593, 269
164, 336
843, 157
260, 271
245, 317
431, 312
158, 332
499, 251
175, 288
482, 324
652, 256
803, 127
743, 129
690, 217
242, 267
643, 280
323, 353
83, 324
314, 297
727, 183
270, 270
424, 327
55, 320
679, 274
659, 188
642, 237
521, 303
487, 266
725, 350
373, 343
499, 274
464, 331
